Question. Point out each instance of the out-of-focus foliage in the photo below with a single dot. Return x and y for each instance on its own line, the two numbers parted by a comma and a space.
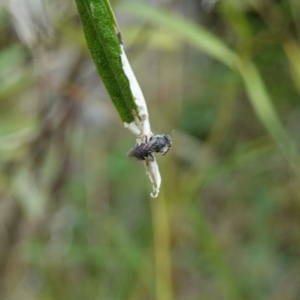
76, 220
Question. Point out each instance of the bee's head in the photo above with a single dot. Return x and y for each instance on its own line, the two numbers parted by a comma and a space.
168, 143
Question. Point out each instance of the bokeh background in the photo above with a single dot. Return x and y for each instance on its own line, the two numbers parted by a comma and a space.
76, 218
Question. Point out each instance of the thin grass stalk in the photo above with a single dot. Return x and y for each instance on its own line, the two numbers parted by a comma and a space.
162, 249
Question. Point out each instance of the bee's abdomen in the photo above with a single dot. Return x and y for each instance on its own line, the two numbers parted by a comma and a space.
140, 152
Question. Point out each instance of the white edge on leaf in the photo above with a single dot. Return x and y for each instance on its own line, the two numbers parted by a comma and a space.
141, 125
141, 121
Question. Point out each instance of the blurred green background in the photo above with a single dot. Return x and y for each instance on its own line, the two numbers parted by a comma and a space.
76, 218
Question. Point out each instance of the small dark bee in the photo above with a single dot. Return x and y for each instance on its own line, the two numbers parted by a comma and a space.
159, 144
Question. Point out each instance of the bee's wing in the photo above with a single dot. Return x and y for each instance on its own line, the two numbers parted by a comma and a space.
132, 154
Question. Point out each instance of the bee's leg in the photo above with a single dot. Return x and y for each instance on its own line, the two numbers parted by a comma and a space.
151, 157
166, 151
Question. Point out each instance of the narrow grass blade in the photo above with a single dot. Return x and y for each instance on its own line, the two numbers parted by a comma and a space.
264, 109
105, 44
101, 34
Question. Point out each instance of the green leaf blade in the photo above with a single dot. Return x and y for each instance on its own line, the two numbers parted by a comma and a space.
102, 40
